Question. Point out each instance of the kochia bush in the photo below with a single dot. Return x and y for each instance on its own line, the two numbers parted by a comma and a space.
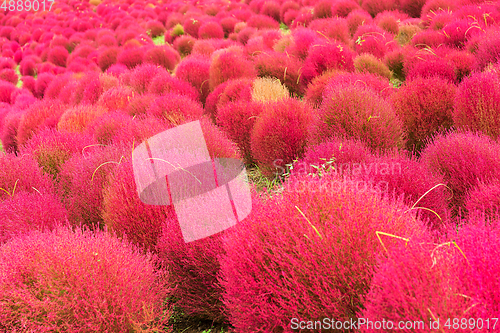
60, 280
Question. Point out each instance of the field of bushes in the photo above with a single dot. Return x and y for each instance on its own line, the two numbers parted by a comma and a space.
369, 130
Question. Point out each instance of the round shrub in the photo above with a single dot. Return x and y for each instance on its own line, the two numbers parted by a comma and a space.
377, 6
280, 133
368, 63
357, 18
432, 67
107, 57
9, 75
116, 98
464, 159
6, 90
324, 56
196, 71
314, 260
81, 182
165, 56
127, 215
130, 57
477, 104
176, 109
484, 199
155, 28
38, 116
30, 211
425, 106
164, 83
237, 120
142, 75
226, 65
335, 28
210, 29
77, 118
357, 112
58, 55
262, 22
60, 280
369, 38
22, 174
55, 87
488, 50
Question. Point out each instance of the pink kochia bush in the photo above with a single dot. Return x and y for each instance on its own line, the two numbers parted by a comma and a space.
425, 106
477, 104
196, 71
464, 159
484, 199
424, 281
315, 260
229, 64
165, 56
80, 280
280, 133
39, 115
237, 120
127, 215
165, 83
30, 211
326, 55
355, 111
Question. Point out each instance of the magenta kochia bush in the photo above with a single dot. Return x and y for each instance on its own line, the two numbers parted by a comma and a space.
22, 174
484, 199
195, 70
464, 159
283, 67
325, 55
165, 56
127, 215
82, 179
374, 40
52, 148
30, 211
60, 281
142, 75
314, 261
280, 133
425, 106
58, 55
39, 115
176, 109
400, 175
229, 64
477, 104
229, 91
164, 83
237, 120
424, 281
357, 112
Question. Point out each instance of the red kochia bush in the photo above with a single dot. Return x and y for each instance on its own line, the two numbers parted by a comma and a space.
130, 57
488, 49
432, 67
371, 39
357, 112
424, 281
326, 55
6, 89
196, 71
142, 75
81, 181
60, 280
283, 67
477, 104
30, 211
165, 83
39, 115
280, 133
229, 64
237, 120
335, 28
107, 57
58, 55
484, 199
425, 106
22, 174
464, 159
116, 98
210, 29
126, 214
176, 109
9, 75
315, 259
165, 56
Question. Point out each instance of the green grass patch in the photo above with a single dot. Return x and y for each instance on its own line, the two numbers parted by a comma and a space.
159, 40
19, 82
